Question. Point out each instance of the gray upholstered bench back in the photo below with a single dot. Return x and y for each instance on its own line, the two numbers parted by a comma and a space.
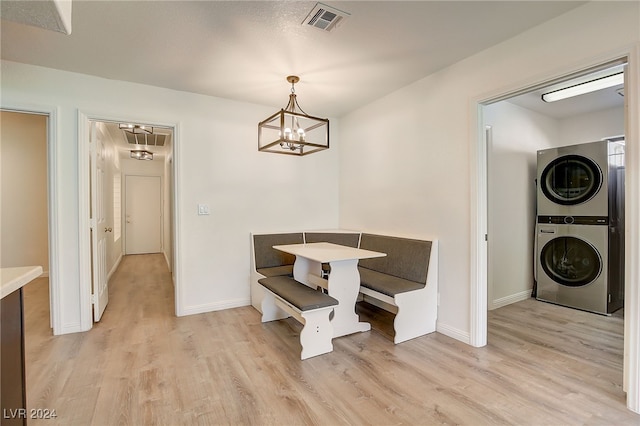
270, 261
406, 258
350, 239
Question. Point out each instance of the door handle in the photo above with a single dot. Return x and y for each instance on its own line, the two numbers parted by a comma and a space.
107, 229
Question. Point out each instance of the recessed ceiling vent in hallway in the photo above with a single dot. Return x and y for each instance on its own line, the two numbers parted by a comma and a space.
325, 18
154, 139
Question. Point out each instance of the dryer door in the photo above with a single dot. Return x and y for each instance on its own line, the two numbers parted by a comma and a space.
571, 261
571, 180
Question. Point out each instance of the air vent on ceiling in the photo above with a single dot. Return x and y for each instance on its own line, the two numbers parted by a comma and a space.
325, 18
154, 139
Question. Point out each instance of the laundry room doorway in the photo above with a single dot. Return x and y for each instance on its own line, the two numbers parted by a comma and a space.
492, 180
518, 129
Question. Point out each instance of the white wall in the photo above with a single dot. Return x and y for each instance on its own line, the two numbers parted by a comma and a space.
23, 154
406, 158
591, 127
518, 133
217, 163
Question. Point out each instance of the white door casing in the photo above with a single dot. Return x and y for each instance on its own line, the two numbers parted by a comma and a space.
99, 228
143, 214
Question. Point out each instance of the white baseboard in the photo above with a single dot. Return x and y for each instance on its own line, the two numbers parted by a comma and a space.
115, 267
211, 307
166, 259
70, 328
504, 301
452, 332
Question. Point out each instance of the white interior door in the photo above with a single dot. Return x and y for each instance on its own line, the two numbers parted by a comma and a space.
143, 214
99, 229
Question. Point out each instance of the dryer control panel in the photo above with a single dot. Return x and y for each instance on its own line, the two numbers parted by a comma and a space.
574, 220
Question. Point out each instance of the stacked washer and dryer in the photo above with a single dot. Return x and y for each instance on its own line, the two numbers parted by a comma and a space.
580, 226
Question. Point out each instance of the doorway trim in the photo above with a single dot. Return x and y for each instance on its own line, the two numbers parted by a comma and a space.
84, 119
52, 205
478, 207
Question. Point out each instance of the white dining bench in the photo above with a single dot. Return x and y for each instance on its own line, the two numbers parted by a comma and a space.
284, 297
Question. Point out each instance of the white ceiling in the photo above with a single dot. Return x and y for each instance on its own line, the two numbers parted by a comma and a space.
243, 50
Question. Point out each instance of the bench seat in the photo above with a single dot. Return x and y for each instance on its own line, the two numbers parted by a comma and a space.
284, 297
304, 298
385, 283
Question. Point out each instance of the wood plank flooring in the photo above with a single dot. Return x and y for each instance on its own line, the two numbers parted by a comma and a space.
141, 365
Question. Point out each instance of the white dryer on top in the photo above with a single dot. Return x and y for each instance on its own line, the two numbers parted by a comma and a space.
578, 180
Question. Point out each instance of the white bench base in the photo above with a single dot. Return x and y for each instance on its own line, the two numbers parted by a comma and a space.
317, 330
415, 315
416, 311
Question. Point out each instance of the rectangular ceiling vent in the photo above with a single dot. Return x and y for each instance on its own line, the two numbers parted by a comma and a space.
325, 18
155, 139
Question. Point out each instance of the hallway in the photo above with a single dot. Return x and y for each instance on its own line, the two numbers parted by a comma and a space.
141, 365
74, 373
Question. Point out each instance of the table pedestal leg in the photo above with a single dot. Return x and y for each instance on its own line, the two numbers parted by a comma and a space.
304, 267
344, 285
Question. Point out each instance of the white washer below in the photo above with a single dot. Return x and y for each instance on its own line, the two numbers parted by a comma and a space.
572, 266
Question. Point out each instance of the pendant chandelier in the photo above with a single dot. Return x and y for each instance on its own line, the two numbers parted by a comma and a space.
291, 130
141, 154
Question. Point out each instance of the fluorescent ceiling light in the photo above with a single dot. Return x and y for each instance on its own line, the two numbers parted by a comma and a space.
586, 87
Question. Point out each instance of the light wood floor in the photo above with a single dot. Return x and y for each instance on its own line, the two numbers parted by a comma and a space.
544, 365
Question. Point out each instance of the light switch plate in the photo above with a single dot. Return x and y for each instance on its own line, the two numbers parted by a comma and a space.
203, 209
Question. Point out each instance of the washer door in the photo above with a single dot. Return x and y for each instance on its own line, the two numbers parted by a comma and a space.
571, 180
570, 261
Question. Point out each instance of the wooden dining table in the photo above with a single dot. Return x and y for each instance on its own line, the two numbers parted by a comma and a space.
343, 282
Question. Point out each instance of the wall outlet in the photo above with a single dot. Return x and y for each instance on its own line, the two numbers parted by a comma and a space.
203, 209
